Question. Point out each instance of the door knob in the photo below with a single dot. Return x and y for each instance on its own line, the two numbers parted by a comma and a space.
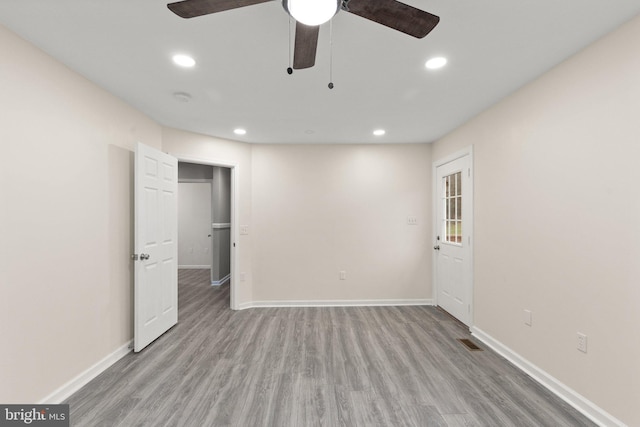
436, 247
144, 256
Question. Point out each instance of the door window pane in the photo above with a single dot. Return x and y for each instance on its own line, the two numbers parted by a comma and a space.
452, 204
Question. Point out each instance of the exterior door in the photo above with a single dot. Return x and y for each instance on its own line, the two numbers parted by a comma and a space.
156, 230
453, 237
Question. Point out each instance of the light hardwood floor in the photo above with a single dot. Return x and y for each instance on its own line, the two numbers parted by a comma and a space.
355, 366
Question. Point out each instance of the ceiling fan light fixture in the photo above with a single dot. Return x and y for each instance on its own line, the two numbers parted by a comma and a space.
312, 12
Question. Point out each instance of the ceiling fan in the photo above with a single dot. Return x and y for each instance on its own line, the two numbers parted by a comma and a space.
390, 13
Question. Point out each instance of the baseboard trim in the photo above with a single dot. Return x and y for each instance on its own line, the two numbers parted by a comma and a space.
573, 398
194, 267
222, 281
244, 306
336, 303
64, 392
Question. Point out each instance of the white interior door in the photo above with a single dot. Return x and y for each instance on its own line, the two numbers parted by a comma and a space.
452, 248
156, 231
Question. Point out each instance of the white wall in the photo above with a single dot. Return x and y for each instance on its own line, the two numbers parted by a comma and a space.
194, 225
313, 211
556, 221
65, 221
319, 210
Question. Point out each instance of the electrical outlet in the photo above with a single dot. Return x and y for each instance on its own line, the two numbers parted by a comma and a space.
343, 275
582, 342
243, 276
412, 220
528, 317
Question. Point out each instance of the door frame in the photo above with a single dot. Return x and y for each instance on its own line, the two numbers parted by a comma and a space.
235, 274
468, 151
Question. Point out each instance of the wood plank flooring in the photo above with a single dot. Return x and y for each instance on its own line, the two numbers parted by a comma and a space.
355, 366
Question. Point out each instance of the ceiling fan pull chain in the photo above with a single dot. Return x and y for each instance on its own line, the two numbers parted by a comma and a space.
331, 54
290, 68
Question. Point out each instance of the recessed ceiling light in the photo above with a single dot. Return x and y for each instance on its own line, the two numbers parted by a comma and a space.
435, 63
379, 132
184, 61
240, 131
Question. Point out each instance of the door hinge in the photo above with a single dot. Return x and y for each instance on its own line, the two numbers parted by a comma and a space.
134, 257
469, 172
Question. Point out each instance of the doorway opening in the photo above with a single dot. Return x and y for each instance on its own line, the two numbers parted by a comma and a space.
205, 221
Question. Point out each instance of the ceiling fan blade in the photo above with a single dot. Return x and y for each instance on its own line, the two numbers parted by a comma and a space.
396, 15
304, 54
193, 8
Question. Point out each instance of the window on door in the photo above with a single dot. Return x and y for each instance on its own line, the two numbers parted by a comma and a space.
452, 217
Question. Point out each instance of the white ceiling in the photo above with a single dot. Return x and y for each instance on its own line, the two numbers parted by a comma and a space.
240, 80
